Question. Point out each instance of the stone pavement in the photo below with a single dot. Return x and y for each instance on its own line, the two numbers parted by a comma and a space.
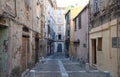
58, 66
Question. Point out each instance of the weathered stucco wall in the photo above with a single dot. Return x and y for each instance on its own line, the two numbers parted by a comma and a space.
21, 14
107, 58
14, 48
81, 34
73, 14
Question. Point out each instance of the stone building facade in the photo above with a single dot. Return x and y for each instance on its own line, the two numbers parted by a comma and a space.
81, 35
70, 15
59, 29
67, 33
49, 33
104, 35
20, 32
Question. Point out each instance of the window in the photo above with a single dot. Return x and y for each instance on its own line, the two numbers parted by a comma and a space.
59, 37
96, 6
114, 42
59, 28
68, 33
99, 48
27, 4
60, 12
59, 20
48, 29
75, 24
38, 10
68, 19
79, 24
84, 45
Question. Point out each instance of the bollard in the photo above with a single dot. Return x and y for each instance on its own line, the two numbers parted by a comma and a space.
87, 68
32, 72
81, 62
107, 73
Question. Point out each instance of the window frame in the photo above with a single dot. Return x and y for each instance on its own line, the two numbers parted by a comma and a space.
99, 45
79, 22
75, 23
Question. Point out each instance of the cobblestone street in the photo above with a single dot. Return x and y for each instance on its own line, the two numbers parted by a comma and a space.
58, 66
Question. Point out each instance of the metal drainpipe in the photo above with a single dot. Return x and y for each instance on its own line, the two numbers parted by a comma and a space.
15, 10
117, 41
88, 30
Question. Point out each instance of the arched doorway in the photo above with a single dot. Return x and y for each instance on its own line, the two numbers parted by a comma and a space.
59, 48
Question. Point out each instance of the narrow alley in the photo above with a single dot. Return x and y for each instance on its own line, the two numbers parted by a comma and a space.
59, 38
59, 66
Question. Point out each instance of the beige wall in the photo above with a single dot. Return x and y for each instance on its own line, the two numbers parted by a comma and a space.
107, 58
82, 35
73, 13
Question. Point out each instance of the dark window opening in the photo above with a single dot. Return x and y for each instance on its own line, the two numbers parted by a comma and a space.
75, 24
84, 45
99, 48
25, 29
68, 33
96, 6
59, 36
27, 4
79, 24
48, 29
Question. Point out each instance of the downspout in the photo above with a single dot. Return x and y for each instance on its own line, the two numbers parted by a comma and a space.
117, 41
15, 10
88, 31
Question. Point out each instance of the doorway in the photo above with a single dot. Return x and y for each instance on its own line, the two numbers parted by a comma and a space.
75, 48
36, 50
25, 53
3, 51
59, 48
94, 53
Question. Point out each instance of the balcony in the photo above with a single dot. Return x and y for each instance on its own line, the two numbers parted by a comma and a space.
59, 39
77, 41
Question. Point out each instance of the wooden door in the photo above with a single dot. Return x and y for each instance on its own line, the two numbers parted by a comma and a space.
94, 53
59, 48
36, 50
24, 53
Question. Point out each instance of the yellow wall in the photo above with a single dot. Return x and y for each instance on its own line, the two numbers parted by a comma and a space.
73, 13
107, 58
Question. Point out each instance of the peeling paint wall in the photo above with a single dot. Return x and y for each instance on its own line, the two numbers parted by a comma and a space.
20, 14
14, 47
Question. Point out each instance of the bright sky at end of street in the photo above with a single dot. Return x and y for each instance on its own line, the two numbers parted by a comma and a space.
65, 3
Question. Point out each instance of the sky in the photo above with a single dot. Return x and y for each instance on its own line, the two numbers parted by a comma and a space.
65, 3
